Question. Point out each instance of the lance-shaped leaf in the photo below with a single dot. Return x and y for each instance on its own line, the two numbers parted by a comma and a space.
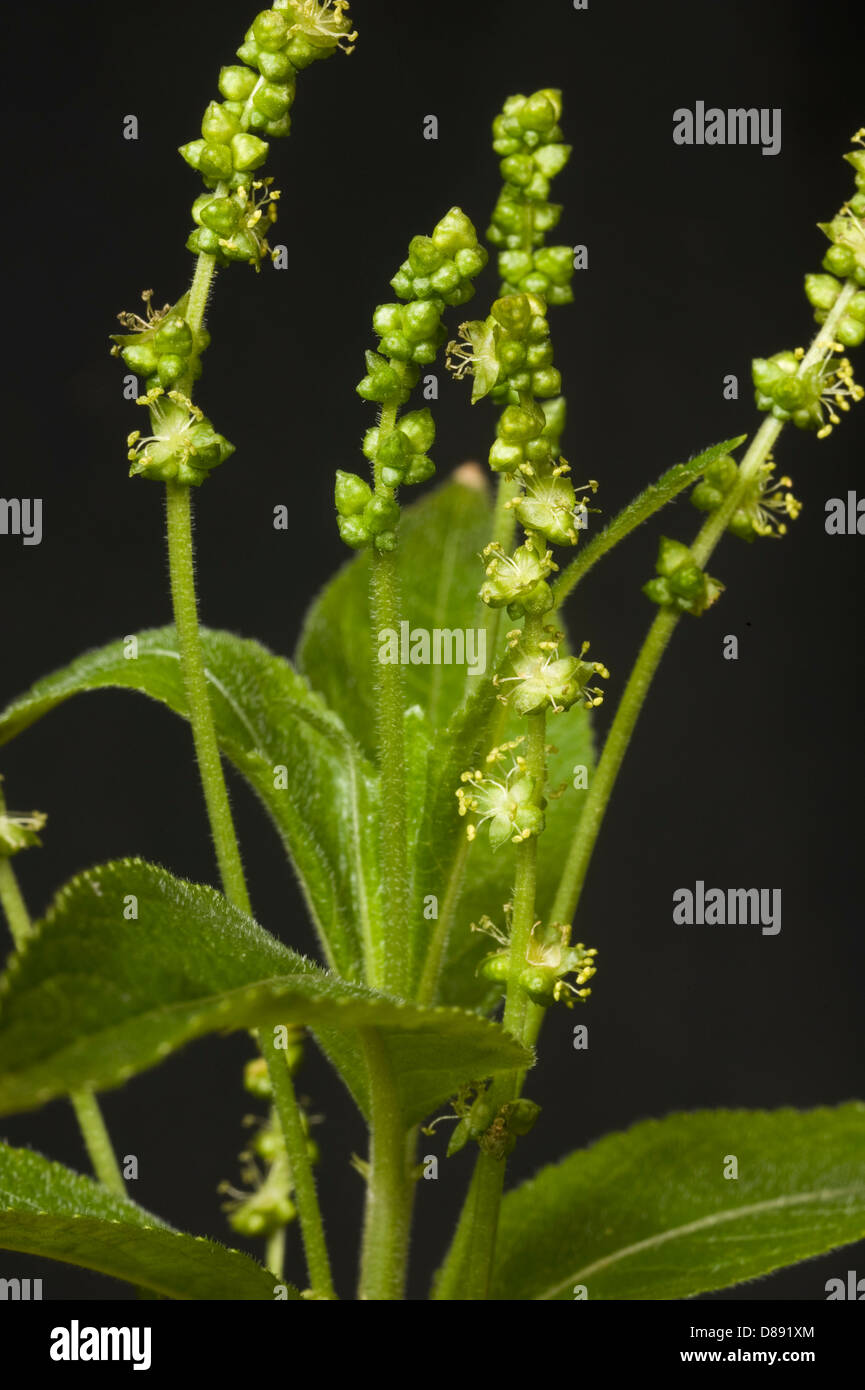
659, 1212
318, 787
96, 997
657, 495
49, 1211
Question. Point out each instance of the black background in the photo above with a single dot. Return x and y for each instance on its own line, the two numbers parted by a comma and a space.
743, 773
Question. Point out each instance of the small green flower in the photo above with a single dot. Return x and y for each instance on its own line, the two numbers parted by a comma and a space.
542, 680
183, 447
20, 830
510, 806
681, 584
549, 960
513, 578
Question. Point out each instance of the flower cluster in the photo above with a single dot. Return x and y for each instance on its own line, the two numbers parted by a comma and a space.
257, 98
509, 805
527, 135
549, 959
495, 1131
268, 1206
681, 584
410, 336
766, 499
161, 347
183, 447
812, 396
443, 265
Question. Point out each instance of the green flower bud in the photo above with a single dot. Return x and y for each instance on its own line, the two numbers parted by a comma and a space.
214, 161
236, 83
276, 67
418, 427
354, 531
850, 331
517, 424
141, 358
381, 382
856, 307
248, 152
505, 458
420, 320
221, 215
551, 159
170, 368
174, 335
273, 100
269, 30
249, 51
454, 233
424, 256
381, 514
218, 125
351, 493
387, 318
420, 468
840, 261
522, 1115
540, 111
822, 290
203, 239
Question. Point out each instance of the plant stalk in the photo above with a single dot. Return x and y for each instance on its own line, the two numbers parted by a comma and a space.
390, 1182
388, 971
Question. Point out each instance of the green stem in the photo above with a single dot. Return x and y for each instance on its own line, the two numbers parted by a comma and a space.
388, 969
390, 1182
179, 519
521, 1018
12, 902
662, 629
85, 1104
274, 1254
182, 570
98, 1142
303, 1181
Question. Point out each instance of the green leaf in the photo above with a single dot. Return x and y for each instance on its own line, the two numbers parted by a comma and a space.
441, 538
266, 718
648, 1214
47, 1210
95, 998
657, 495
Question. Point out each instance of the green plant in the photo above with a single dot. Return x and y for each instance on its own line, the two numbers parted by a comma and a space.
443, 811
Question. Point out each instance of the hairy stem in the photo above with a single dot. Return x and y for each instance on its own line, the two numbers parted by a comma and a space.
521, 1018
97, 1141
389, 970
390, 1182
658, 637
179, 520
303, 1181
